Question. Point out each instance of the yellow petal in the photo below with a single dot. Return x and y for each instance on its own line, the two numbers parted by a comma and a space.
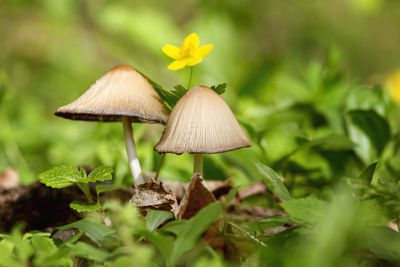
191, 41
393, 84
177, 64
171, 51
200, 54
203, 51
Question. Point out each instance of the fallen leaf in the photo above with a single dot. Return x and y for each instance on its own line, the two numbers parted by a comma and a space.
153, 195
197, 197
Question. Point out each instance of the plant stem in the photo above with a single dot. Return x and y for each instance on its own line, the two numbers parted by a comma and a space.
198, 164
131, 150
190, 77
86, 190
159, 166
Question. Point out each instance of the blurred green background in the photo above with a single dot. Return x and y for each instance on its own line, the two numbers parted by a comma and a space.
294, 70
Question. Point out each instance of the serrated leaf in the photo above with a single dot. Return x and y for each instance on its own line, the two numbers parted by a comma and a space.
219, 89
99, 174
60, 177
169, 97
93, 229
156, 217
367, 175
175, 95
305, 210
273, 181
84, 207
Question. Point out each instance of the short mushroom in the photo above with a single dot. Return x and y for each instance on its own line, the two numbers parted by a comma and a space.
122, 94
201, 123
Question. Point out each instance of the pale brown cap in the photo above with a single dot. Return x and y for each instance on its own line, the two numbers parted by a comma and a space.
121, 92
202, 123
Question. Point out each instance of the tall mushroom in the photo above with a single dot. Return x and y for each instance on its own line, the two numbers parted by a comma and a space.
122, 94
201, 123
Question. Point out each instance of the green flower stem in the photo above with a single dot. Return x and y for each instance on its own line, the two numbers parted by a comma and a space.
190, 77
86, 190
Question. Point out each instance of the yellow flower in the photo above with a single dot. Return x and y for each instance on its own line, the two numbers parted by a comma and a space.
188, 54
393, 85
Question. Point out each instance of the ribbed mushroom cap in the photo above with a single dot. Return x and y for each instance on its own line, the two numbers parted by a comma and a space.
202, 123
121, 92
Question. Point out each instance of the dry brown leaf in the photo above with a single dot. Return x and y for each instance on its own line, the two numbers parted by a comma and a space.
197, 197
153, 195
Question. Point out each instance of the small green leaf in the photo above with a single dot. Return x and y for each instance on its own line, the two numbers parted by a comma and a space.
367, 175
93, 229
99, 174
219, 89
41, 243
102, 188
373, 125
174, 227
192, 231
86, 251
60, 177
163, 243
84, 207
156, 217
266, 223
273, 181
305, 210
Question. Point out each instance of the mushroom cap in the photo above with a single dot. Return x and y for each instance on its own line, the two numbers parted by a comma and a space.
202, 123
121, 92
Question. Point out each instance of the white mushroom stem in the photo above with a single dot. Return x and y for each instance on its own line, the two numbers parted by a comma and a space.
131, 150
198, 164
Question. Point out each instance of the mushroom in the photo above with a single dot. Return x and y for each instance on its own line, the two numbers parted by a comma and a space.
201, 123
122, 94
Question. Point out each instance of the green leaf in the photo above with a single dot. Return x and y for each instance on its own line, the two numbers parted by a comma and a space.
156, 217
86, 251
192, 231
163, 243
367, 175
219, 89
174, 227
373, 125
60, 177
176, 95
99, 174
101, 188
332, 142
266, 223
93, 229
385, 243
41, 243
273, 181
169, 97
305, 210
84, 207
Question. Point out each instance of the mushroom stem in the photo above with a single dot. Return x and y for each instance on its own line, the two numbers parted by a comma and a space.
198, 164
131, 150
